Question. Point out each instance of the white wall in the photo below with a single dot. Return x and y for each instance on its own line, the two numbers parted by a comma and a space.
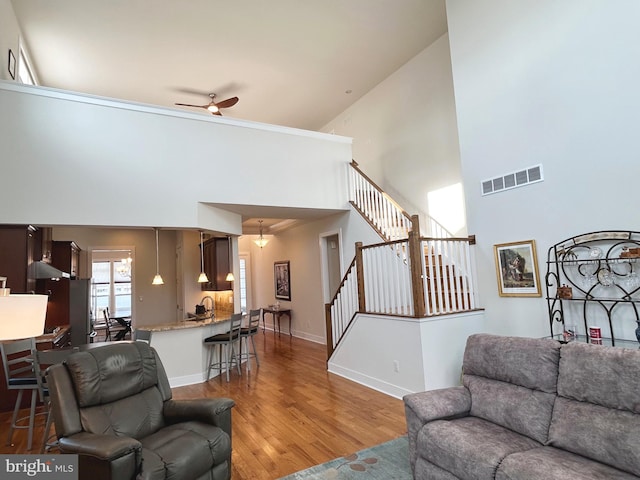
9, 37
554, 83
137, 165
405, 137
398, 356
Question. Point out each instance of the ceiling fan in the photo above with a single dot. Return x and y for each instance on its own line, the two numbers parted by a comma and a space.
213, 106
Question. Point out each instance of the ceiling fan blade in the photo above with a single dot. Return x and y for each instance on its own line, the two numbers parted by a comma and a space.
188, 105
217, 113
229, 102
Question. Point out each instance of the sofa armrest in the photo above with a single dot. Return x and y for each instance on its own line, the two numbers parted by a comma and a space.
424, 407
214, 411
106, 457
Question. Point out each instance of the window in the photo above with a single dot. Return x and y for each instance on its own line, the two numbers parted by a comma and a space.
24, 70
111, 284
243, 284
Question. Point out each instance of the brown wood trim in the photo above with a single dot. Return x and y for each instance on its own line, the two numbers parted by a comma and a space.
344, 279
354, 165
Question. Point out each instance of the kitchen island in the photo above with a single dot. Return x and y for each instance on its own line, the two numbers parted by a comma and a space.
181, 348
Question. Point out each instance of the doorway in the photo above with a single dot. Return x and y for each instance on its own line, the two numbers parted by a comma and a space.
332, 264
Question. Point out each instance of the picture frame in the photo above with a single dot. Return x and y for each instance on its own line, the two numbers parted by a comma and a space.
517, 269
11, 66
282, 280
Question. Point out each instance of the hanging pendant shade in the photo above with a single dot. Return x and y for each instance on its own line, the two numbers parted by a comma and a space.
202, 278
230, 277
261, 241
157, 280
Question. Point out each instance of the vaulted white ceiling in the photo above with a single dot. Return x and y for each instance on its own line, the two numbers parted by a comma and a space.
290, 62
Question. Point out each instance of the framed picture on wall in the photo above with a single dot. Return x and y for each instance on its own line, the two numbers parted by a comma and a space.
12, 65
517, 269
282, 280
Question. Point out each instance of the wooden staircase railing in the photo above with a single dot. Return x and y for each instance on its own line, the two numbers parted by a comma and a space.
384, 215
416, 277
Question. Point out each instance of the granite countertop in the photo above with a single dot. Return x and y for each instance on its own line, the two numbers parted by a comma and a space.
166, 327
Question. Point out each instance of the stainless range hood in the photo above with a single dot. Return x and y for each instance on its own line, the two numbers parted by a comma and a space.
42, 270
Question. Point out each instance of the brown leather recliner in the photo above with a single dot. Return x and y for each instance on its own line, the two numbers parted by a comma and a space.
112, 406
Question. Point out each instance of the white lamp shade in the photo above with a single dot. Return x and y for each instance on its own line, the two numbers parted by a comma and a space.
22, 316
202, 278
157, 280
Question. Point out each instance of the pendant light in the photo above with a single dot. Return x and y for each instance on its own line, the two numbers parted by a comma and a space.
230, 277
261, 242
202, 278
157, 280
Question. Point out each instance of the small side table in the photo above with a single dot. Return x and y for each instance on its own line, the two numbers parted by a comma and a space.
276, 313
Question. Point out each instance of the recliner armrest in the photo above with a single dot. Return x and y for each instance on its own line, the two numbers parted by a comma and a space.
105, 447
106, 457
214, 411
439, 404
424, 407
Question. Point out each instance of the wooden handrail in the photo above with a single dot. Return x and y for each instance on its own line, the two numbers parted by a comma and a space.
354, 165
344, 279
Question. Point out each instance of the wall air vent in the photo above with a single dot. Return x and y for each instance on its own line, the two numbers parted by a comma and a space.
512, 180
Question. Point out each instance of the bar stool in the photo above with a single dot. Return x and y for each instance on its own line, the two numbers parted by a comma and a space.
224, 341
247, 333
20, 375
43, 359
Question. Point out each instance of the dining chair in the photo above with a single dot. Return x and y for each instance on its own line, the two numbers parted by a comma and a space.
20, 375
120, 326
43, 359
246, 334
142, 335
226, 352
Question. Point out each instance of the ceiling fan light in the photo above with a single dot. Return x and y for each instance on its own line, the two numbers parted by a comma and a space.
213, 109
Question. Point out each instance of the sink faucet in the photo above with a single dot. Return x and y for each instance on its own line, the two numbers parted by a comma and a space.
209, 300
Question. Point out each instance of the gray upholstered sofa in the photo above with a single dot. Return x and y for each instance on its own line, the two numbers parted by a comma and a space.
112, 406
531, 409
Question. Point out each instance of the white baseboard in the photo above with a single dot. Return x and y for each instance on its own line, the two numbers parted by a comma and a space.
187, 380
374, 383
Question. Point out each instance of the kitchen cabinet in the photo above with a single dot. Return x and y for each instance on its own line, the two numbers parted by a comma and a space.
216, 253
69, 299
20, 245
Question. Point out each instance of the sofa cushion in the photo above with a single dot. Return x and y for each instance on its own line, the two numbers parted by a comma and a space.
607, 435
184, 450
528, 362
606, 376
512, 381
428, 471
469, 447
517, 408
546, 463
597, 413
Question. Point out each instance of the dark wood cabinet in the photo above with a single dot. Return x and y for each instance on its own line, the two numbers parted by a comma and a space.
20, 245
69, 302
65, 256
216, 264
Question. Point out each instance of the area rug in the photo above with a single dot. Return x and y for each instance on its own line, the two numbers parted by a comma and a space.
387, 461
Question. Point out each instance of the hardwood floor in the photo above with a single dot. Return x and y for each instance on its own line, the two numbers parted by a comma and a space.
290, 413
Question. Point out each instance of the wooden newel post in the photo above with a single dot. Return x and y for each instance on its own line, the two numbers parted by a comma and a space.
360, 273
329, 329
416, 255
